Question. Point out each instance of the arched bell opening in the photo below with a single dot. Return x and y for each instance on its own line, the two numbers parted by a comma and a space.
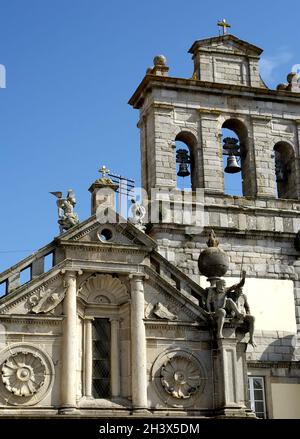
238, 171
285, 170
185, 161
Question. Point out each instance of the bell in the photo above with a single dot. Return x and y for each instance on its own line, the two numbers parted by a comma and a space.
232, 165
183, 170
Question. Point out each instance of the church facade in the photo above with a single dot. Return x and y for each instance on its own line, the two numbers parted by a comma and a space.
134, 316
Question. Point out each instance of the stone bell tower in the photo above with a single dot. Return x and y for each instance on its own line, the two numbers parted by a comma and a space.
224, 91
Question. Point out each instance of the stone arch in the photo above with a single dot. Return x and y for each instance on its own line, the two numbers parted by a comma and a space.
190, 139
248, 173
285, 169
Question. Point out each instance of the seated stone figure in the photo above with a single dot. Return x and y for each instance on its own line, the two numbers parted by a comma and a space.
240, 299
222, 301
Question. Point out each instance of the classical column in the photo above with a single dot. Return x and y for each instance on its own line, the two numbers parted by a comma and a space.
138, 343
69, 343
88, 357
115, 358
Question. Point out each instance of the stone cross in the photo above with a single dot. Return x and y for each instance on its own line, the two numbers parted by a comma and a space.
104, 171
224, 25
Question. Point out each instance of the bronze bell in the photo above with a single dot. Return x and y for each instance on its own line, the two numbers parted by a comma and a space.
183, 170
232, 165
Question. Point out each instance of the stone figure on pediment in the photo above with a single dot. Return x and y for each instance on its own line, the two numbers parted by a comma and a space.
67, 218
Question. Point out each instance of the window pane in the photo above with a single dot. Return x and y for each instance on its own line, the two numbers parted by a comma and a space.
257, 383
101, 358
259, 406
258, 395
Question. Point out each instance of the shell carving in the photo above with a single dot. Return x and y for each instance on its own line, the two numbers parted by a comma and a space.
104, 286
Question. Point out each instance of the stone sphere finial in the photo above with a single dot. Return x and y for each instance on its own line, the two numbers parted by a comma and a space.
160, 60
213, 262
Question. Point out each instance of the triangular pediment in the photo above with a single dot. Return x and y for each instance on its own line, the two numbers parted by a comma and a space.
227, 44
81, 247
116, 230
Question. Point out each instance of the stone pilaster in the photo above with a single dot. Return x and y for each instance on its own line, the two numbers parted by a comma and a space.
88, 357
138, 343
115, 357
230, 378
263, 153
212, 152
69, 343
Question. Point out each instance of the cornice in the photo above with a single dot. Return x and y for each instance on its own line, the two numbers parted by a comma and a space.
31, 319
273, 364
150, 81
108, 248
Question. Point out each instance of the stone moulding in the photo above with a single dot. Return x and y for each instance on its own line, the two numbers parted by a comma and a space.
32, 320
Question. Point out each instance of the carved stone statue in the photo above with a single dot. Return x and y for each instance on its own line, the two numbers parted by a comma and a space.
219, 302
138, 212
241, 301
67, 218
222, 301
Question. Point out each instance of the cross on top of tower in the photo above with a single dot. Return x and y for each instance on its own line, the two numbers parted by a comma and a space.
223, 24
104, 171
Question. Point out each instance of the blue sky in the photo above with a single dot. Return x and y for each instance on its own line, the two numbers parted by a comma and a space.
72, 66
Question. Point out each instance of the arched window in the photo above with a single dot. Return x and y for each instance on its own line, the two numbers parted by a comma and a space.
285, 170
185, 161
239, 174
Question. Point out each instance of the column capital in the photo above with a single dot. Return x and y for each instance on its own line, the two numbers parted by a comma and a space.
88, 318
138, 276
115, 319
71, 272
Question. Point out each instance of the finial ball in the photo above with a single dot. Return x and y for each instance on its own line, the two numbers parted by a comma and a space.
160, 60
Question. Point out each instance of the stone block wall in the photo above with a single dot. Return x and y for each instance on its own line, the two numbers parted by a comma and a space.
265, 121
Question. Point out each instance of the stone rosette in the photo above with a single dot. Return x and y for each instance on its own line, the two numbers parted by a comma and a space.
27, 374
179, 378
23, 373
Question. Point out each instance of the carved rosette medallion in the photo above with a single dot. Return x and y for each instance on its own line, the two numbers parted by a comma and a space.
27, 374
23, 373
180, 377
